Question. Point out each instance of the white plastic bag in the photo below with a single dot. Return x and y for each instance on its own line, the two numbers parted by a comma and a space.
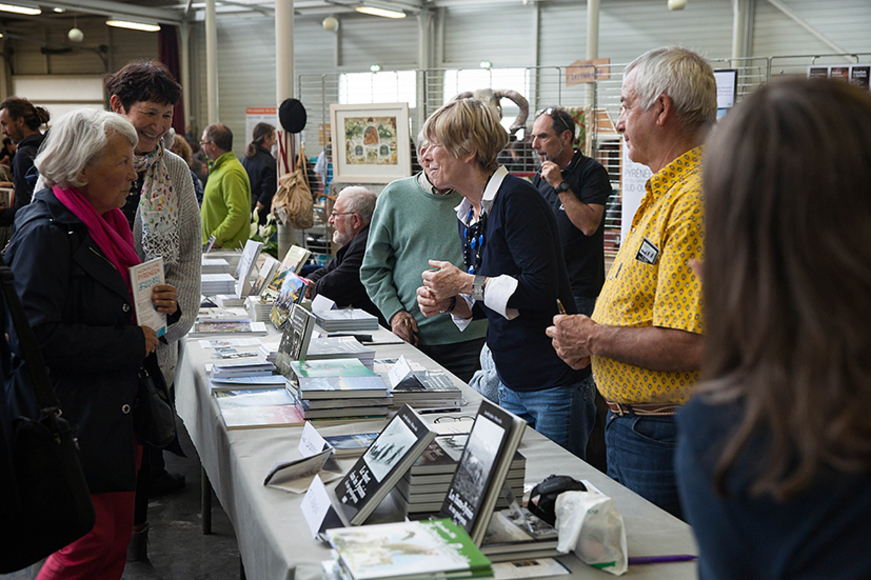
589, 524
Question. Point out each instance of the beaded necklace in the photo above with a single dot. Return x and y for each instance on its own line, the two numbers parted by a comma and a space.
473, 241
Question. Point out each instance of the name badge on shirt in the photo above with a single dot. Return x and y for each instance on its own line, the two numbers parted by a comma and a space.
647, 253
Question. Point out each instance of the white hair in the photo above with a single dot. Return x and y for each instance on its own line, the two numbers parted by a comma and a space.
681, 74
360, 201
77, 139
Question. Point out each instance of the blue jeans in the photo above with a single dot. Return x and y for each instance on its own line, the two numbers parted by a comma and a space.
641, 457
564, 414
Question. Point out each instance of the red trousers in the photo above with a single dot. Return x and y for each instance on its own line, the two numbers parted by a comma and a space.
102, 553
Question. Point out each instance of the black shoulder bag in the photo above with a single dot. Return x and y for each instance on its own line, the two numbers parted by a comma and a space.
53, 506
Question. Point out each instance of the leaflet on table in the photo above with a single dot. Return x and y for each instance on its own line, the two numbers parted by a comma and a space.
315, 451
143, 278
321, 303
319, 510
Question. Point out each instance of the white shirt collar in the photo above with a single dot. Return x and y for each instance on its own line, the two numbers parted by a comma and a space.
490, 192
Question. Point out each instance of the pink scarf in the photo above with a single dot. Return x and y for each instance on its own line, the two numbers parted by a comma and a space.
111, 231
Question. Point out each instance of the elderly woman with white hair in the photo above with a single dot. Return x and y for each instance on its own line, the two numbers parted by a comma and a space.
70, 255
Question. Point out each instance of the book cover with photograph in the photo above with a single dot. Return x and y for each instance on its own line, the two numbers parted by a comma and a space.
341, 367
482, 469
435, 548
292, 292
382, 465
245, 267
294, 339
349, 387
293, 261
264, 275
144, 277
350, 445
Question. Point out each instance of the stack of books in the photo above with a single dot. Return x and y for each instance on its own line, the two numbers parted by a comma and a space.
427, 390
432, 550
338, 391
229, 301
232, 257
345, 446
258, 307
268, 350
205, 327
424, 488
214, 265
214, 284
340, 347
240, 369
517, 534
257, 408
346, 319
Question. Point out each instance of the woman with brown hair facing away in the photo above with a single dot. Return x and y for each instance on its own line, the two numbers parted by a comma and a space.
774, 451
262, 169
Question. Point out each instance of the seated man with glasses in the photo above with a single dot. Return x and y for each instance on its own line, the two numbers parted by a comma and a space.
340, 279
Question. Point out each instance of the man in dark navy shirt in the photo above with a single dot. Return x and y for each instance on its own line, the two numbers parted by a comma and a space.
577, 188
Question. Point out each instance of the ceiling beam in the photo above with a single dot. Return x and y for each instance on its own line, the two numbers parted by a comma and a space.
107, 8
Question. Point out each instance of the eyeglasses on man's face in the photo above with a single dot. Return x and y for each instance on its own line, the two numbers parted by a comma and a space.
333, 214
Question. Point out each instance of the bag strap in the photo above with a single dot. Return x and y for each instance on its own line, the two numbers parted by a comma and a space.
301, 164
45, 395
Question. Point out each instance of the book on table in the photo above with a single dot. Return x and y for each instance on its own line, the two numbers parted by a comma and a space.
382, 465
245, 268
228, 383
208, 327
240, 369
264, 275
339, 347
211, 265
292, 292
214, 284
253, 409
293, 261
408, 550
346, 319
515, 532
143, 278
482, 469
350, 445
341, 387
295, 338
343, 367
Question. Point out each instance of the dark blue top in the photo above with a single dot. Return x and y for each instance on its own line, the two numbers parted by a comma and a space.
584, 255
22, 163
823, 532
522, 241
263, 175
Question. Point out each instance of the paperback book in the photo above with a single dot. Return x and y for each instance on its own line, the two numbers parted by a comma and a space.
292, 292
207, 327
350, 445
341, 387
143, 278
482, 469
409, 550
382, 465
246, 266
293, 261
264, 275
295, 339
345, 367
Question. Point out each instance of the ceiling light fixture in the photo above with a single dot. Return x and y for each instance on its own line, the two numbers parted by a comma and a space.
21, 8
383, 12
119, 22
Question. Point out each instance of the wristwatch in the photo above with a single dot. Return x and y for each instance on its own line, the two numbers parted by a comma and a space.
478, 287
563, 186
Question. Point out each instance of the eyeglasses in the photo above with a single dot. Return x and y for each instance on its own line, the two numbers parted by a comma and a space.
204, 143
333, 214
559, 120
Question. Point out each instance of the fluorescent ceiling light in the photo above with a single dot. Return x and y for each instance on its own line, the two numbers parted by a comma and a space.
119, 22
28, 9
383, 12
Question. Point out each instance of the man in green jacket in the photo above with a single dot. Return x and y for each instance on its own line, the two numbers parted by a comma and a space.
227, 196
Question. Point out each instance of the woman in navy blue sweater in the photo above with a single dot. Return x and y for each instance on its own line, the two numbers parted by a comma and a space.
514, 274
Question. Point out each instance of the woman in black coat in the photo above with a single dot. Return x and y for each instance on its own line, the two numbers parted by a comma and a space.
261, 168
70, 253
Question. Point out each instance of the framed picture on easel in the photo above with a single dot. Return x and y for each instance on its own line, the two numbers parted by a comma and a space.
371, 143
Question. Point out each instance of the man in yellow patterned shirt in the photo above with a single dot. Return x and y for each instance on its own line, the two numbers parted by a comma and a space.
645, 336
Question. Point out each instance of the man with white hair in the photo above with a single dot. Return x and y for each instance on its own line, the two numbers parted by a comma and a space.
340, 279
645, 335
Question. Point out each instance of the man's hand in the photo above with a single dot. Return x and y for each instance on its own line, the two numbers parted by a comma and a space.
551, 173
165, 298
571, 338
308, 288
404, 326
445, 281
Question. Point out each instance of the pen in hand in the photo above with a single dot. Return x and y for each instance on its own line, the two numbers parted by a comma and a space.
559, 305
